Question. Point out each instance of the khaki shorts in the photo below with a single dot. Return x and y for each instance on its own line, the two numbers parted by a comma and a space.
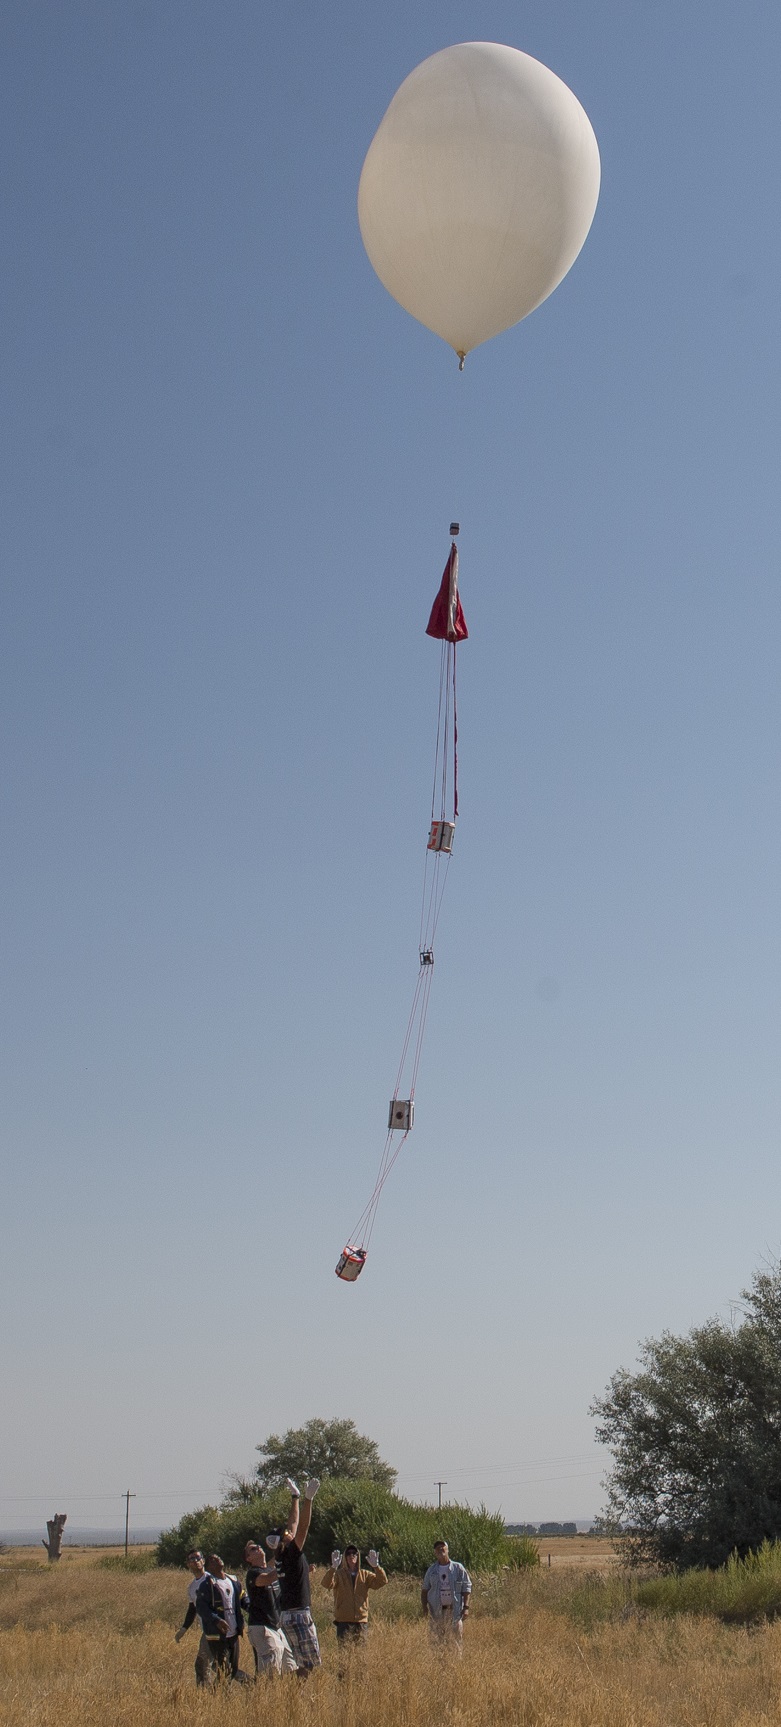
272, 1650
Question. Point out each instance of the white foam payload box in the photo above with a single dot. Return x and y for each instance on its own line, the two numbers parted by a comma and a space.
441, 837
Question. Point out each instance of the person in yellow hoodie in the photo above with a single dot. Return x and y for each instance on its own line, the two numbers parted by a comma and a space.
350, 1584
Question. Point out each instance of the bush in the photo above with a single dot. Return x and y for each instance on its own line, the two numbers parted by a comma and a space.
192, 1530
358, 1511
521, 1552
742, 1592
146, 1560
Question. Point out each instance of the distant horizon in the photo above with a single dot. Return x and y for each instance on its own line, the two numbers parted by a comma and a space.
83, 1537
113, 1535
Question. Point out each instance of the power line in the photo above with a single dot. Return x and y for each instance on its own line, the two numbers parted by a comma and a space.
97, 1498
479, 1473
484, 1470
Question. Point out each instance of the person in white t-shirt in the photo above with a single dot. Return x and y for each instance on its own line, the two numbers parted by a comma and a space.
445, 1594
220, 1600
203, 1660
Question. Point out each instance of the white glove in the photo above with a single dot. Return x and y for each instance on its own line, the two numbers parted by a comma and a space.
311, 1488
178, 1635
336, 1559
292, 1488
373, 1558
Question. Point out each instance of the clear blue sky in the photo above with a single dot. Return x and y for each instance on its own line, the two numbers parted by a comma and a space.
229, 465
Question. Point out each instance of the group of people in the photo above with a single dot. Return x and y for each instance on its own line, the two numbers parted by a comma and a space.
275, 1600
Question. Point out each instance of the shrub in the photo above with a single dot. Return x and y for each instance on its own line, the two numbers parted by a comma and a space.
192, 1530
358, 1511
146, 1560
521, 1553
742, 1592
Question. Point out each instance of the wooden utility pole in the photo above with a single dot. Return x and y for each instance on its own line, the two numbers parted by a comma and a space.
439, 1485
55, 1526
127, 1498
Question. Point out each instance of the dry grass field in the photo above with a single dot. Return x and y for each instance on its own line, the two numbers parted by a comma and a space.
577, 1553
81, 1644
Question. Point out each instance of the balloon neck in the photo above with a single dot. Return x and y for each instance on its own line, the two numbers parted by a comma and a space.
461, 359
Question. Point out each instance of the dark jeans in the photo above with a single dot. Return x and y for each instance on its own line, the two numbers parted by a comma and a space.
224, 1652
203, 1662
346, 1632
348, 1638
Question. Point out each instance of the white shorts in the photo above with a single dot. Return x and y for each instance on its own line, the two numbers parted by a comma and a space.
272, 1650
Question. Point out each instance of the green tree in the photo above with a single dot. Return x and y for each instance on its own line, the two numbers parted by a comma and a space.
329, 1449
696, 1438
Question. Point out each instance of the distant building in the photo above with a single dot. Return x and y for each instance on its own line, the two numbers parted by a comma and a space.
541, 1528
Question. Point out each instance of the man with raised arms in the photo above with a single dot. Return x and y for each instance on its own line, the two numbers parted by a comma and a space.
350, 1583
295, 1600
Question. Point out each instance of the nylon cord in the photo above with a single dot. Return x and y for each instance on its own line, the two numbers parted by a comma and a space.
434, 882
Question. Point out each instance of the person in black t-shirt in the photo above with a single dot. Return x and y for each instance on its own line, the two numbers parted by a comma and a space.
295, 1602
272, 1651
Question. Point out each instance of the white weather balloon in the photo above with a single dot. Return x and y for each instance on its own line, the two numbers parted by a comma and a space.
478, 190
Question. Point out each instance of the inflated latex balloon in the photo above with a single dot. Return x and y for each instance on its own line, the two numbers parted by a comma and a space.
478, 190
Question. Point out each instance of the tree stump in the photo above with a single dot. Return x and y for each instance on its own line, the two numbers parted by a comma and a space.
55, 1526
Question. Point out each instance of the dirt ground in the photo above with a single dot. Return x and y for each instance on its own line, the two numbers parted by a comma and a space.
577, 1552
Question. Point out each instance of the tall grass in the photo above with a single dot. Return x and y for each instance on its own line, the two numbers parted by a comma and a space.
742, 1592
521, 1553
145, 1559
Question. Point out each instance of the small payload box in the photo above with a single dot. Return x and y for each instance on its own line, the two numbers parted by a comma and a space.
441, 837
401, 1113
351, 1263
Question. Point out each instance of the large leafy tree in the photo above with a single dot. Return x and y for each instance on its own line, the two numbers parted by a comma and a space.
325, 1448
696, 1438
